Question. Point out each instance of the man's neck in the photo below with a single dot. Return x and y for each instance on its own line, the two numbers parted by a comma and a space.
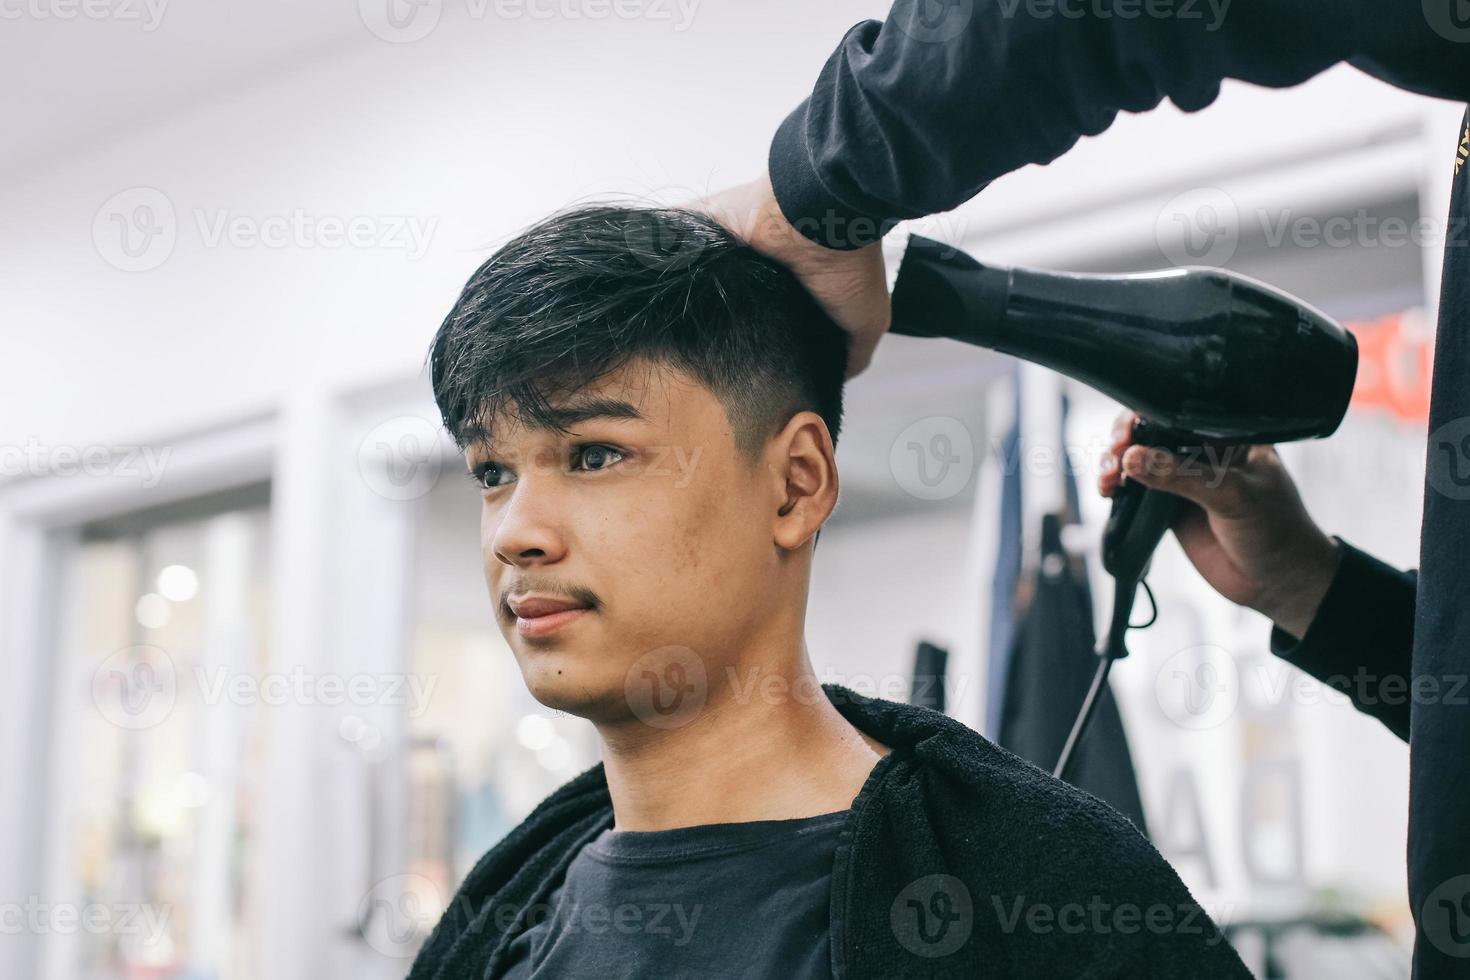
749, 754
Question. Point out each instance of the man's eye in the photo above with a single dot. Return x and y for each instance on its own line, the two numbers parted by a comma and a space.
597, 454
487, 475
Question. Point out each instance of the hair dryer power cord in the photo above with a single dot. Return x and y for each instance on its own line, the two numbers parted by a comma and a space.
1113, 651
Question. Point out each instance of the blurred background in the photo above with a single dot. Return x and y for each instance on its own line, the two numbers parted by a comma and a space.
258, 719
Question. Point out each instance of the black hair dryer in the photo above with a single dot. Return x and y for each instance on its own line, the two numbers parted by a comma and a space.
1208, 358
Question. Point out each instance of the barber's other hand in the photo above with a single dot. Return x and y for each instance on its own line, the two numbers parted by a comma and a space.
850, 285
1245, 528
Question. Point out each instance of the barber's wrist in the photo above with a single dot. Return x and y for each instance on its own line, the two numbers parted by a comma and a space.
1293, 605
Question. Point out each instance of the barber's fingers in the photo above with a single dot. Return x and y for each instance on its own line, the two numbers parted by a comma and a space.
1123, 428
1226, 480
1121, 438
1220, 478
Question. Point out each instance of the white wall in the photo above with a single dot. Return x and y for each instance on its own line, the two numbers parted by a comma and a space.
881, 586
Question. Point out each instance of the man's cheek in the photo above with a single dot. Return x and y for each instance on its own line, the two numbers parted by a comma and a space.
688, 546
489, 523
677, 466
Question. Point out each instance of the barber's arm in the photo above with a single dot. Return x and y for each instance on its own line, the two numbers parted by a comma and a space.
1360, 640
917, 114
1337, 612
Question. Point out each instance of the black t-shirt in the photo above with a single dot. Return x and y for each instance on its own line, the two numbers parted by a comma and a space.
736, 900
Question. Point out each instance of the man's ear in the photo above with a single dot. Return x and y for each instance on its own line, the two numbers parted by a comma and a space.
805, 480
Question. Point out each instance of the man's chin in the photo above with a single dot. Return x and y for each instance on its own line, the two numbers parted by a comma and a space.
574, 688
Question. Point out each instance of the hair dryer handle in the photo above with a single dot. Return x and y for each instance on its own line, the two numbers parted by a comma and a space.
1140, 516
1136, 525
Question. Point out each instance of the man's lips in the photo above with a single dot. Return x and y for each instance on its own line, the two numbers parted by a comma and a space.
533, 606
550, 617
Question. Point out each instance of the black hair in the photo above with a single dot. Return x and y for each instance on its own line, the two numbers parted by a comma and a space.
582, 292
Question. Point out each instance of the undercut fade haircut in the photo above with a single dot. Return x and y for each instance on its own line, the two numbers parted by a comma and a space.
586, 290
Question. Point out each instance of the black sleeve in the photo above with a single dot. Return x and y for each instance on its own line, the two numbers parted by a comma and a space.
1362, 637
917, 114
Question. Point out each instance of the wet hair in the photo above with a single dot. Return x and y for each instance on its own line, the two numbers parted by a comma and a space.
590, 289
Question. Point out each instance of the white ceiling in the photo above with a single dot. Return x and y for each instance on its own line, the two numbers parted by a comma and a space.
74, 80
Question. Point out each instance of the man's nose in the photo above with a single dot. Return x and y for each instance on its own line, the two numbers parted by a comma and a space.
529, 525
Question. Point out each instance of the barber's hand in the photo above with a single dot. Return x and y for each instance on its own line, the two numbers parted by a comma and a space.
1245, 528
850, 285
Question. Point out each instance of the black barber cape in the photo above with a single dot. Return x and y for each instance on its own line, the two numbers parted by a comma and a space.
956, 859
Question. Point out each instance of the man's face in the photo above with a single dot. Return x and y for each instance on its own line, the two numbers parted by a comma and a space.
656, 524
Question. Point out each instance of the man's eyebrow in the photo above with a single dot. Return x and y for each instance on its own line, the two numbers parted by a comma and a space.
568, 415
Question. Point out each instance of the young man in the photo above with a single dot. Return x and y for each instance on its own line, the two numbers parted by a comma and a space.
649, 409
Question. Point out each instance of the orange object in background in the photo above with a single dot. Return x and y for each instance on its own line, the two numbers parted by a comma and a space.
1395, 359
